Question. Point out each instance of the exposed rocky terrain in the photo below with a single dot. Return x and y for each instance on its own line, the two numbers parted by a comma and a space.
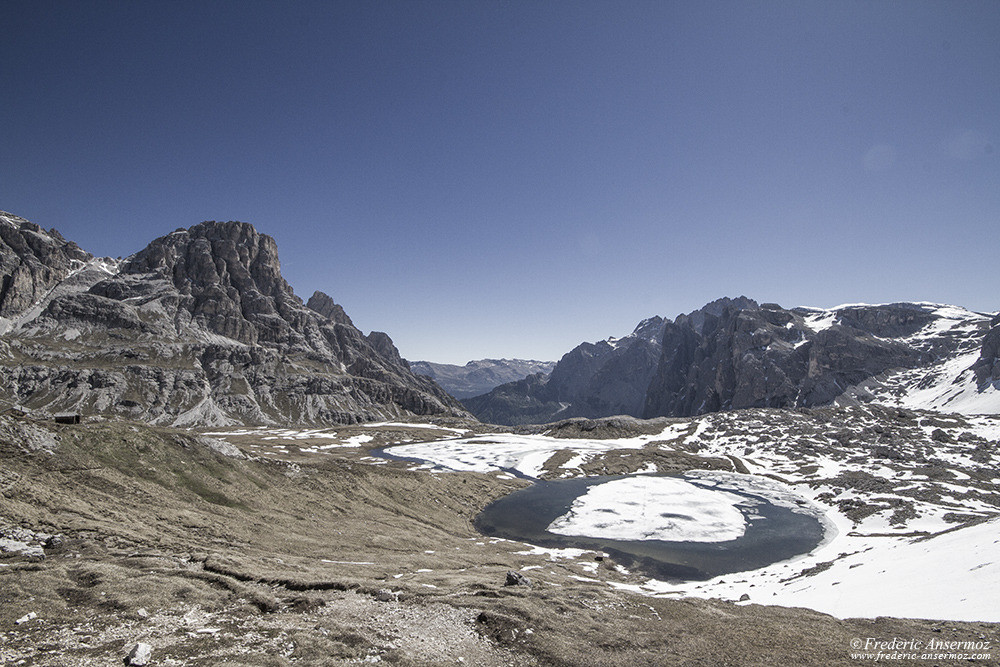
479, 376
197, 328
297, 547
987, 366
735, 353
592, 380
32, 262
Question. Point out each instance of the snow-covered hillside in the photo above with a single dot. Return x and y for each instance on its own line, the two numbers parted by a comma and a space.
910, 496
947, 384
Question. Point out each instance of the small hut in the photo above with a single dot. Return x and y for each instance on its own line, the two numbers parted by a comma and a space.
68, 418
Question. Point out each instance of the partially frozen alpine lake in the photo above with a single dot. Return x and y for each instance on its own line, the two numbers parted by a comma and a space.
670, 527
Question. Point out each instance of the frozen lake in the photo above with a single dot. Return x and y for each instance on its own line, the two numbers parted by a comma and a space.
670, 527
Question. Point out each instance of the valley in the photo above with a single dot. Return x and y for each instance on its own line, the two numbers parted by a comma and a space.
199, 463
298, 546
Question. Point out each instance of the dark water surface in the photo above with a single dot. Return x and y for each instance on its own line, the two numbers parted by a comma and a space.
773, 533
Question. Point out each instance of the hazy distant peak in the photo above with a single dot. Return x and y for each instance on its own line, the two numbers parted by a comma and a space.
480, 375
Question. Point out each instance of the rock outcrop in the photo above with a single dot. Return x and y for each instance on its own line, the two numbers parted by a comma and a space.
199, 328
749, 356
987, 367
325, 306
32, 262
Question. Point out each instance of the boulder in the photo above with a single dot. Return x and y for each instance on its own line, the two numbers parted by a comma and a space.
20, 549
515, 578
140, 655
386, 595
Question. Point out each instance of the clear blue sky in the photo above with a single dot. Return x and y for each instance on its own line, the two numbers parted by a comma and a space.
507, 178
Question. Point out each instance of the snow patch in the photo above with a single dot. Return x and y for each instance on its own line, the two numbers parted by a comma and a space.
653, 508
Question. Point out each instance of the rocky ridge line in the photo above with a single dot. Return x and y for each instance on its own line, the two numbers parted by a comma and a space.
736, 353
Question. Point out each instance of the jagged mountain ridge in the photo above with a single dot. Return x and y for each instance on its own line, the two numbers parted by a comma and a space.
592, 380
479, 376
736, 353
198, 328
32, 262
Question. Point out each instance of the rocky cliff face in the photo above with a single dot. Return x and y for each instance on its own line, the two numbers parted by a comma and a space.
987, 366
592, 380
735, 353
200, 328
480, 376
750, 356
326, 307
32, 262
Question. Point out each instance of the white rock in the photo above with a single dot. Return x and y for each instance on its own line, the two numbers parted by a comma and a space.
27, 617
139, 655
19, 548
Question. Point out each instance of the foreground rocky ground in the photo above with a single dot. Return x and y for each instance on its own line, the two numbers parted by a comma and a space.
270, 548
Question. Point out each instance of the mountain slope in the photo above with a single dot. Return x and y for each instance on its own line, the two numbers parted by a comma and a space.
591, 380
479, 376
197, 328
736, 353
32, 261
767, 356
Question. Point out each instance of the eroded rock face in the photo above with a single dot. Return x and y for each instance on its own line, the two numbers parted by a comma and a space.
32, 261
200, 328
591, 380
228, 278
767, 356
987, 367
325, 306
735, 353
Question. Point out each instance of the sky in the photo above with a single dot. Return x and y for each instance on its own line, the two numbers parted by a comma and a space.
505, 178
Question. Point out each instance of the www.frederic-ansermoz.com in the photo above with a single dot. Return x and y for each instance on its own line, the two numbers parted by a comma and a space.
870, 648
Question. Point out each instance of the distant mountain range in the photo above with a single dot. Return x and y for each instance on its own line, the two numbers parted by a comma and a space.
198, 328
480, 376
736, 353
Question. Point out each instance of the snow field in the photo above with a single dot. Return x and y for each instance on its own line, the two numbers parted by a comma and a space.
526, 454
653, 508
923, 563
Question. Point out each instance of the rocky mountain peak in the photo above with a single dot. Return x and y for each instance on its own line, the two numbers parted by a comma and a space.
650, 328
381, 343
199, 327
734, 353
325, 306
32, 261
593, 379
227, 276
231, 254
713, 310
